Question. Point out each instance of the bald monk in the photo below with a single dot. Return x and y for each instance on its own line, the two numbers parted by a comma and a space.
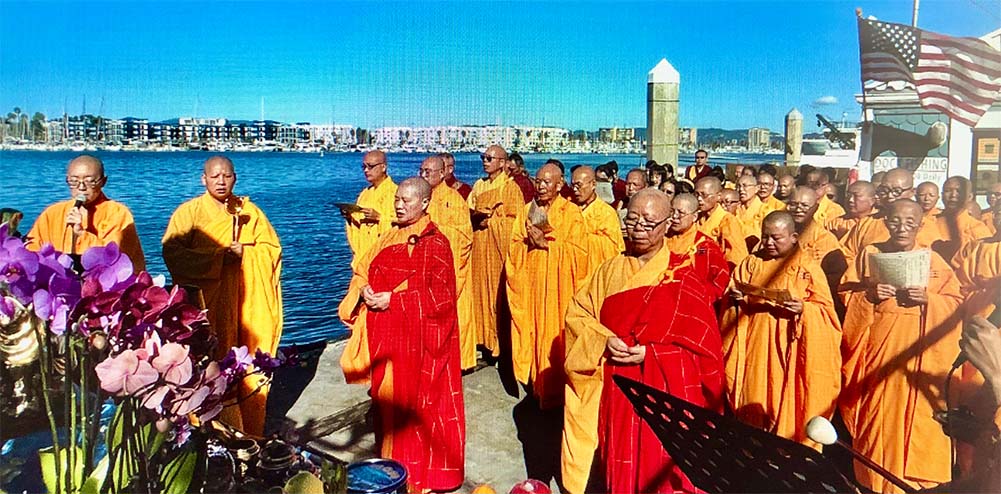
815, 242
819, 181
684, 239
546, 265
748, 204
713, 221
730, 200
400, 307
782, 356
461, 187
926, 193
601, 224
238, 266
766, 189
896, 368
88, 219
954, 228
783, 187
993, 197
647, 315
979, 271
897, 183
364, 227
449, 212
495, 203
877, 178
861, 205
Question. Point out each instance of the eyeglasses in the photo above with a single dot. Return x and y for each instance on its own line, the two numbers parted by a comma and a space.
369, 166
798, 206
429, 171
681, 214
895, 192
898, 225
701, 157
634, 223
578, 185
746, 186
766, 184
88, 183
486, 158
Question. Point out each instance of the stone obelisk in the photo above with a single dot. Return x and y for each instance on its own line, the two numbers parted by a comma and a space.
662, 97
794, 137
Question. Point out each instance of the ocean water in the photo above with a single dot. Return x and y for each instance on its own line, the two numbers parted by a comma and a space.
295, 190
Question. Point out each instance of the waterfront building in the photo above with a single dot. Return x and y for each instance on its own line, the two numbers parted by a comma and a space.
136, 129
758, 138
688, 137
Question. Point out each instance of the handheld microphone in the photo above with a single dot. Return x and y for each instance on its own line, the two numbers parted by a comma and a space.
79, 200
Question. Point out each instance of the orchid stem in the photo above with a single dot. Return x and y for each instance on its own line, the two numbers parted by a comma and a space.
46, 366
68, 407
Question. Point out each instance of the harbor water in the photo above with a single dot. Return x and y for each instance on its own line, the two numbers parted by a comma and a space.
296, 190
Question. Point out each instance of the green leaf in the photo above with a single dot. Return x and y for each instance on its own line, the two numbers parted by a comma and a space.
93, 483
177, 474
47, 457
304, 483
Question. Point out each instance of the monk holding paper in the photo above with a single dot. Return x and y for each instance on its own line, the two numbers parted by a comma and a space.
224, 245
375, 216
904, 344
647, 315
400, 307
782, 345
495, 202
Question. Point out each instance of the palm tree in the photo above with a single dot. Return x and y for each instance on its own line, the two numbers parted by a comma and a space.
39, 131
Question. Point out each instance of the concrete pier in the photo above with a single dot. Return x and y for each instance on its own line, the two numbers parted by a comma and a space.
662, 101
503, 432
794, 137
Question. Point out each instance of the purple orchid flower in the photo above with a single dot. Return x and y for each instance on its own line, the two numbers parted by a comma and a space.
108, 267
265, 362
18, 268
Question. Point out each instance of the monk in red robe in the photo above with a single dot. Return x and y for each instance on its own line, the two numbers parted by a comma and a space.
646, 315
401, 307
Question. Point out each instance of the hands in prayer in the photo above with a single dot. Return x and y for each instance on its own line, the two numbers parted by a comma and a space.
77, 218
375, 301
621, 353
536, 237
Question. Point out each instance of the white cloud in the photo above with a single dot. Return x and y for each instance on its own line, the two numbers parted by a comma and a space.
825, 101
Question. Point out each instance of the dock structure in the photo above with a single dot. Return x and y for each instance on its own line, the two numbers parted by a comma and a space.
663, 93
794, 137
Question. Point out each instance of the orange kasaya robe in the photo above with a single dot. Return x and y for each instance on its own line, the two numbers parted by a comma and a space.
667, 305
448, 210
842, 225
948, 235
244, 299
502, 199
826, 210
603, 232
988, 220
979, 273
410, 353
896, 360
727, 231
110, 221
783, 369
363, 235
823, 248
540, 284
752, 215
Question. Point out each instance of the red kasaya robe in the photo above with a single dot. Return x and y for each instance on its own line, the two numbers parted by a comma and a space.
666, 305
412, 353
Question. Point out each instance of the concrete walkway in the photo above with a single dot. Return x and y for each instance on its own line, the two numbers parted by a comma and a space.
503, 433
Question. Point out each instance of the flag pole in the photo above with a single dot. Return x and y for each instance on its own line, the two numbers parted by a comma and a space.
914, 13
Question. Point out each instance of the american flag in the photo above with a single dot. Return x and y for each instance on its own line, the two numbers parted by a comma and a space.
960, 77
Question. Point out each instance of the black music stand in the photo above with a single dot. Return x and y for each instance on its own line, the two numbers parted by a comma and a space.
721, 454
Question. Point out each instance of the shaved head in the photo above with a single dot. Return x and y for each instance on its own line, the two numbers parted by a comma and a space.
780, 219
583, 184
219, 177
93, 164
898, 183
686, 202
802, 204
223, 161
412, 199
861, 198
707, 191
778, 235
658, 200
903, 220
375, 167
433, 170
418, 185
709, 184
648, 216
956, 192
927, 195
784, 185
548, 182
85, 171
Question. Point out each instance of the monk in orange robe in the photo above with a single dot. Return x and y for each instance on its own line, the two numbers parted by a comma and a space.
400, 307
450, 214
861, 205
364, 227
729, 199
546, 265
647, 315
979, 271
766, 189
783, 361
224, 245
954, 228
748, 208
601, 223
993, 197
717, 224
89, 218
495, 203
826, 208
895, 371
926, 193
816, 242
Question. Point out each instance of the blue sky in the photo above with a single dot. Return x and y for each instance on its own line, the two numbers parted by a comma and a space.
575, 65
